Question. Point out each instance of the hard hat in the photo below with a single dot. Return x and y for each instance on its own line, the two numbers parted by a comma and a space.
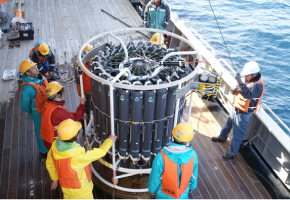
44, 49
52, 89
26, 65
155, 39
250, 68
67, 129
183, 132
88, 48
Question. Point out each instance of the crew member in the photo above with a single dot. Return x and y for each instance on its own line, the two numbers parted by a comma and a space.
87, 85
69, 163
54, 112
42, 55
33, 97
174, 170
157, 15
246, 100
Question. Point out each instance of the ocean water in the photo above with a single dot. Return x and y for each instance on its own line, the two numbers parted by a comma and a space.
257, 30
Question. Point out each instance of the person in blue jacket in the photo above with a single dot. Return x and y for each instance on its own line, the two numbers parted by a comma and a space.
175, 168
33, 97
42, 55
157, 15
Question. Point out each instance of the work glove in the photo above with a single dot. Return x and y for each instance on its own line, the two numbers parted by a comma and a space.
239, 78
234, 90
41, 69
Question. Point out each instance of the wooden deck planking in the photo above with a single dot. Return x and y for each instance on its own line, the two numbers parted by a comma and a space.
208, 121
69, 26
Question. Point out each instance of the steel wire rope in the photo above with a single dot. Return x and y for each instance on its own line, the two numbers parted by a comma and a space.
234, 162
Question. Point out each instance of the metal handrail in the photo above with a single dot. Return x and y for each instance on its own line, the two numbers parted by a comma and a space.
269, 109
227, 64
205, 42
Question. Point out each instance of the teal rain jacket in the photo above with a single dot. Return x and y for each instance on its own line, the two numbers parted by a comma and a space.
28, 105
157, 18
179, 154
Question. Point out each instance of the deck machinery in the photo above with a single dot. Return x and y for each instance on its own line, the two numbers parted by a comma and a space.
138, 94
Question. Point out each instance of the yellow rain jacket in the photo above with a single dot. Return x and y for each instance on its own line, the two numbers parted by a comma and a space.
79, 159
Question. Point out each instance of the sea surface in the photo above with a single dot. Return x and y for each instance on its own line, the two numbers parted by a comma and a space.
254, 30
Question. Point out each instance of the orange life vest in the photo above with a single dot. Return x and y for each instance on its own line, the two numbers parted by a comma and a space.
41, 94
41, 60
170, 177
68, 178
86, 82
48, 131
243, 104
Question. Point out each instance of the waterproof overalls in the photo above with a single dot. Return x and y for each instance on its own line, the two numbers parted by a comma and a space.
239, 120
79, 159
179, 154
28, 105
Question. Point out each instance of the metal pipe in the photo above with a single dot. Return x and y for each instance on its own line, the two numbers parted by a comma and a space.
189, 109
177, 53
176, 108
131, 87
83, 94
115, 186
285, 126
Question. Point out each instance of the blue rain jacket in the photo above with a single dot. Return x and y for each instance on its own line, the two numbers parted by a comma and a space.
157, 18
28, 94
27, 104
179, 154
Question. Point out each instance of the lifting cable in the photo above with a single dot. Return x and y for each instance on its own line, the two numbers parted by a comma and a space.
234, 162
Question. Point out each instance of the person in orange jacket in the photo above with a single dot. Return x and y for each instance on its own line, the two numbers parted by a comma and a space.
246, 101
87, 84
54, 112
69, 164
175, 168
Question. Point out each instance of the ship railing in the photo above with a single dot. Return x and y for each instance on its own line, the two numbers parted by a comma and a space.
205, 42
279, 120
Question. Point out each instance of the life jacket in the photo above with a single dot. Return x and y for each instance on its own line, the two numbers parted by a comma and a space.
86, 83
48, 131
243, 104
41, 59
170, 177
41, 97
68, 178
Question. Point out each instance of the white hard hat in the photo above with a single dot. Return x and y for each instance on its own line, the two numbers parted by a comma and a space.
250, 68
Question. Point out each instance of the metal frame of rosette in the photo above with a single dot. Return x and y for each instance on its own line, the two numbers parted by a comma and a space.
112, 84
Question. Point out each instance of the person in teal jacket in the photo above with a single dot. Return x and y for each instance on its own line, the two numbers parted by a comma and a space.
157, 15
180, 154
29, 103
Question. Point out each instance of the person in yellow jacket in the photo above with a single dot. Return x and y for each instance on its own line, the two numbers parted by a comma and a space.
69, 163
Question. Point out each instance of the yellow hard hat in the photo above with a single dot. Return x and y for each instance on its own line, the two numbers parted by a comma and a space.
52, 88
67, 129
26, 65
43, 49
183, 132
88, 48
155, 39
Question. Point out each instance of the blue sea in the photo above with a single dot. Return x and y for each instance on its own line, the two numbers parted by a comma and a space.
257, 30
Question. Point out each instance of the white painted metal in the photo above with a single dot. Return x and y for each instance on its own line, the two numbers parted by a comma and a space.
199, 36
131, 87
269, 109
178, 53
189, 108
